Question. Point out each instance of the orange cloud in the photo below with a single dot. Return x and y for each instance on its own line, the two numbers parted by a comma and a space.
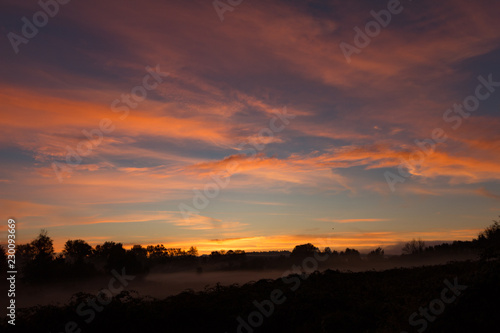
484, 192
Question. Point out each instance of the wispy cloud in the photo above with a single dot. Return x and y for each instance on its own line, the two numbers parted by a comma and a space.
353, 122
352, 220
484, 192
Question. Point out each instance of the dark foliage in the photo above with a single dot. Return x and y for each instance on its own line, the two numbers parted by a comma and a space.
324, 302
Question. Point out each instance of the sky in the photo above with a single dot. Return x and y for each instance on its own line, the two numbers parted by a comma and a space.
254, 125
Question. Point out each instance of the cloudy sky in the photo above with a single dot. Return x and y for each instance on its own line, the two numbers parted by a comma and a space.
256, 126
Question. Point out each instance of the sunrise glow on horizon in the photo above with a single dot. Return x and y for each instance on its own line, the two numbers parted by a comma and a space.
158, 122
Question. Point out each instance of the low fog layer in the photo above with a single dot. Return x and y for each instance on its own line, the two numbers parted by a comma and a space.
164, 284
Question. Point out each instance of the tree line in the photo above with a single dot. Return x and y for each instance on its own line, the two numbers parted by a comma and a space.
38, 261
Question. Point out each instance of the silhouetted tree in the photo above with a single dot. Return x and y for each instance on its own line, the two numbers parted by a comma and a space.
113, 253
240, 252
304, 250
414, 247
489, 241
215, 254
193, 251
43, 246
351, 255
157, 252
175, 252
377, 254
139, 251
77, 250
24, 253
37, 258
